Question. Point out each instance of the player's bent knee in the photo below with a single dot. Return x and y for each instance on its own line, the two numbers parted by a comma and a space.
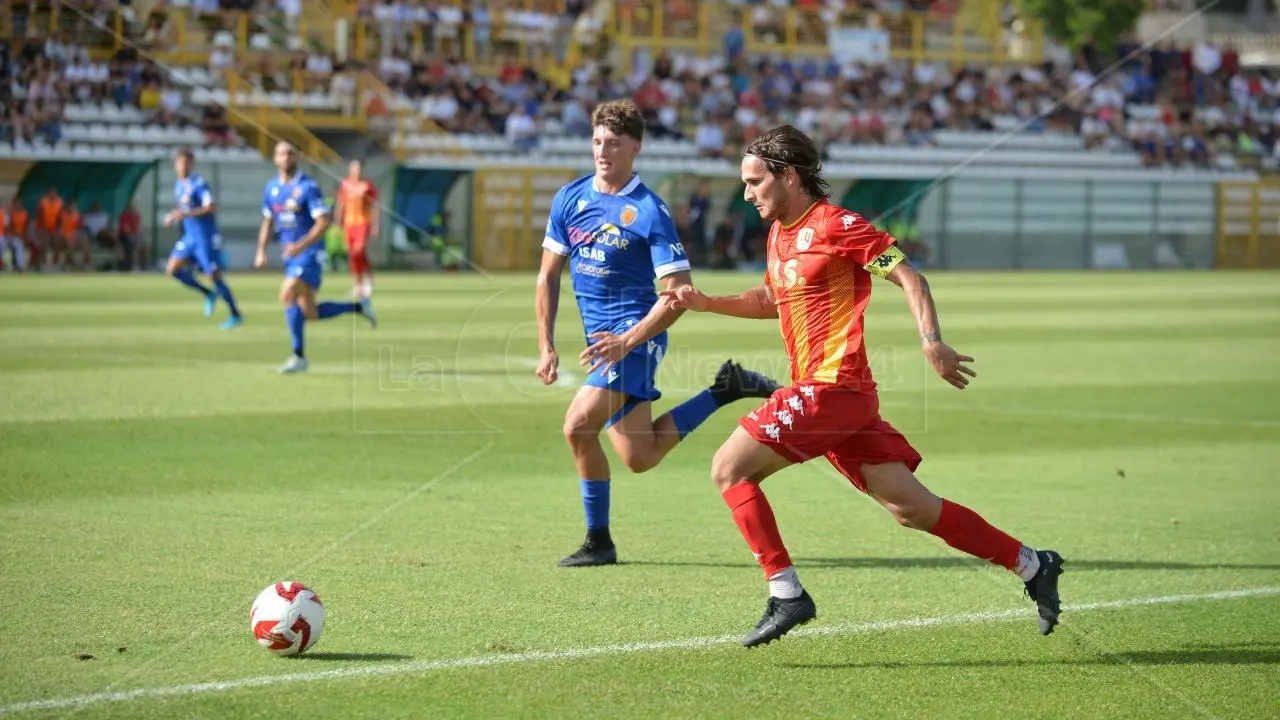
638, 461
580, 428
727, 470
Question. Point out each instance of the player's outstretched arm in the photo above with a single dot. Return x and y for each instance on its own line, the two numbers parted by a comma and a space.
547, 304
754, 304
946, 361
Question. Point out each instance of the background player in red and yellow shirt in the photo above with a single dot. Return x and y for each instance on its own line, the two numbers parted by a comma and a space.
357, 212
818, 283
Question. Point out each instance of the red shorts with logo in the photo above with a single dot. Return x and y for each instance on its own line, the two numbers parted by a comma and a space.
804, 421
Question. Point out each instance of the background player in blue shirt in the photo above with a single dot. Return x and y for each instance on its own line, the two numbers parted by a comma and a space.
200, 243
294, 206
617, 237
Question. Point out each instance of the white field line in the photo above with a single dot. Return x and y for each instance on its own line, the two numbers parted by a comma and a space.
423, 666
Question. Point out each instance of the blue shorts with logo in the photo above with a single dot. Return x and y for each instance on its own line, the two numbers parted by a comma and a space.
308, 268
634, 376
204, 251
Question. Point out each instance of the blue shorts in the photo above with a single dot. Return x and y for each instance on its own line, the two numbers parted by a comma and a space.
309, 269
635, 376
203, 251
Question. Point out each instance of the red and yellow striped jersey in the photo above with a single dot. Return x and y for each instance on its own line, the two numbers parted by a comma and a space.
819, 270
359, 200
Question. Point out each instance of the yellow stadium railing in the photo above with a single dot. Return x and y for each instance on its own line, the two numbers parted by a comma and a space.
1248, 224
975, 34
505, 39
263, 124
399, 121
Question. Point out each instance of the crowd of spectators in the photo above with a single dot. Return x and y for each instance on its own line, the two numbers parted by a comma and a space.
1177, 106
34, 90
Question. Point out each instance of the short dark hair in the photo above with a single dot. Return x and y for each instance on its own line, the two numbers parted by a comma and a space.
785, 146
187, 153
621, 117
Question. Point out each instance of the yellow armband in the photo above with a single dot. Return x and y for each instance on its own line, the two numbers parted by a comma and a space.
888, 260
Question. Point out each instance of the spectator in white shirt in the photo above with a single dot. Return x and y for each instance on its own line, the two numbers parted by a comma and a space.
77, 78
319, 69
521, 130
97, 226
441, 107
220, 60
343, 89
170, 111
395, 69
710, 139
448, 19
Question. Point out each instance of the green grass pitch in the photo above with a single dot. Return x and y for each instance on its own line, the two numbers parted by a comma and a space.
157, 473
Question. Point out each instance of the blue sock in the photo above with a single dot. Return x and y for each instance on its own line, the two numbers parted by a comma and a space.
296, 320
188, 278
595, 501
224, 292
327, 310
691, 413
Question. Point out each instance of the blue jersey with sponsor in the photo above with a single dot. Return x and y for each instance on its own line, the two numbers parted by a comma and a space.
190, 194
617, 246
294, 206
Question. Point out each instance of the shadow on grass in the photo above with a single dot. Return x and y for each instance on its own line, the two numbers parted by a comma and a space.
1247, 653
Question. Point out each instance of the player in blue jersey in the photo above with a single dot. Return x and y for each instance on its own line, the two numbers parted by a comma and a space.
294, 206
200, 244
617, 237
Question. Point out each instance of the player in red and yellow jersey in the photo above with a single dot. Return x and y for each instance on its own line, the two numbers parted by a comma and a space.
818, 283
357, 212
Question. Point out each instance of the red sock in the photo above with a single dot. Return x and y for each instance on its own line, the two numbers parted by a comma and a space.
966, 531
755, 519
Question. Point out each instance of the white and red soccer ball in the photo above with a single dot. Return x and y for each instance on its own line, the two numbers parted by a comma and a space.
287, 618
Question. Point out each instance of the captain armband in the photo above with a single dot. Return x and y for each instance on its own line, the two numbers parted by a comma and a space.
886, 262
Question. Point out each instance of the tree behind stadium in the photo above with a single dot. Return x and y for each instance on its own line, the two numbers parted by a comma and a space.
1075, 22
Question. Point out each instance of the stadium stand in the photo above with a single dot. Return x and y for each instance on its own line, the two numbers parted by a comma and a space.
73, 89
892, 88
710, 73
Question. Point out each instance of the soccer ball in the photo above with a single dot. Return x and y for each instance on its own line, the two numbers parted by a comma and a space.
287, 618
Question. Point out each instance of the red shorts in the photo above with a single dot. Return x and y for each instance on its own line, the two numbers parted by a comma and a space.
357, 238
807, 420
